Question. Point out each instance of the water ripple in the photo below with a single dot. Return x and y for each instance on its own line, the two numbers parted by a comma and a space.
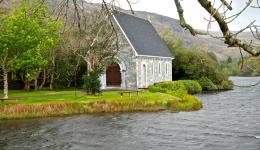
229, 121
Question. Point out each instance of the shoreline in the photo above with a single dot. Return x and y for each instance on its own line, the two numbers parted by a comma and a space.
111, 102
23, 111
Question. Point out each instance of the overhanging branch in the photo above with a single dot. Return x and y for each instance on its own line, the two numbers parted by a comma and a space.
230, 39
183, 22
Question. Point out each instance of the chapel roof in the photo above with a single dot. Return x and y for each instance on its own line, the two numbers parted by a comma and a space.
142, 35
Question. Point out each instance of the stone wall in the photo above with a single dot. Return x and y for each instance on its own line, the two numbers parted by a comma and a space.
126, 58
151, 70
139, 71
127, 61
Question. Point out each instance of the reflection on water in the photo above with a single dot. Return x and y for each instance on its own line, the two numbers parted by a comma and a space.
229, 120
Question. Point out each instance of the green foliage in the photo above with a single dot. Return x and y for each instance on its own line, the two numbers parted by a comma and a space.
207, 84
231, 66
177, 87
194, 64
31, 62
192, 86
37, 104
251, 67
180, 89
226, 84
154, 88
92, 83
26, 34
229, 60
171, 85
187, 103
42, 34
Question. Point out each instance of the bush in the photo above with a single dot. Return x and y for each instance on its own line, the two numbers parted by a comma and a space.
171, 85
192, 86
154, 88
251, 67
194, 64
92, 83
178, 92
207, 84
226, 85
189, 86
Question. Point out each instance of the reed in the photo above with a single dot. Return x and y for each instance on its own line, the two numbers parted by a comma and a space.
108, 103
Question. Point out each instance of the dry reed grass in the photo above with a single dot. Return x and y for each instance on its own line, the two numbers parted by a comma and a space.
20, 111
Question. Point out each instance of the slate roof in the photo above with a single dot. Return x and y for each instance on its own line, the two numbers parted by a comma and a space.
142, 35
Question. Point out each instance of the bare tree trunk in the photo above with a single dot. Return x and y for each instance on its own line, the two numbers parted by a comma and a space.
44, 80
69, 83
35, 84
51, 81
26, 85
52, 70
5, 73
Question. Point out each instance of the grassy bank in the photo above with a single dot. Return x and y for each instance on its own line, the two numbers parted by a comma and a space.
51, 103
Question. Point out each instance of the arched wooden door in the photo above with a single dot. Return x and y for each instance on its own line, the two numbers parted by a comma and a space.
113, 75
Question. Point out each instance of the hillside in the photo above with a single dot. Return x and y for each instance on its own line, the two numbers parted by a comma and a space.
207, 43
164, 23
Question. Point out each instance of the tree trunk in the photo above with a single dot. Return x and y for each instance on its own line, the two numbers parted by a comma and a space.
5, 73
35, 84
69, 83
52, 71
44, 80
27, 85
51, 81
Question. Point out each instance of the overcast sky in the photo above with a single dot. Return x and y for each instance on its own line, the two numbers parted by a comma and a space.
193, 12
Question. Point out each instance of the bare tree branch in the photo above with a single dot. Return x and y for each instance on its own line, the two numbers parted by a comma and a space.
130, 7
233, 17
227, 4
230, 39
77, 13
183, 22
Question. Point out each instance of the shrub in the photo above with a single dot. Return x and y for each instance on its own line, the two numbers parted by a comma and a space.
180, 86
192, 86
171, 85
154, 88
92, 83
188, 103
207, 84
226, 85
194, 64
177, 93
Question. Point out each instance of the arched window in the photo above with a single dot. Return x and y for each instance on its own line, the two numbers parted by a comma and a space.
159, 67
144, 76
152, 68
166, 68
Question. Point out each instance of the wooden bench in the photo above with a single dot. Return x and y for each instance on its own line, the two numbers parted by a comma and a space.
8, 99
129, 92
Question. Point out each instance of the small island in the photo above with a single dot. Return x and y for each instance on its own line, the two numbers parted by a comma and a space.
60, 103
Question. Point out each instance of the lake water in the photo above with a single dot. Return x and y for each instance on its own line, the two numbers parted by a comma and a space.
229, 121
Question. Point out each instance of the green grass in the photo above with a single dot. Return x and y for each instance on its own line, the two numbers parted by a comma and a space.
57, 103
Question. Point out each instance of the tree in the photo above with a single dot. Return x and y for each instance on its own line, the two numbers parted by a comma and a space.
94, 41
216, 15
196, 65
25, 33
229, 60
46, 34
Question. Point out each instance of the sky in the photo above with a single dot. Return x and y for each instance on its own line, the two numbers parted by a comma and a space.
193, 12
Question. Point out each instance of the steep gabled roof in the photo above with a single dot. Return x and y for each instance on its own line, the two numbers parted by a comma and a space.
141, 35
